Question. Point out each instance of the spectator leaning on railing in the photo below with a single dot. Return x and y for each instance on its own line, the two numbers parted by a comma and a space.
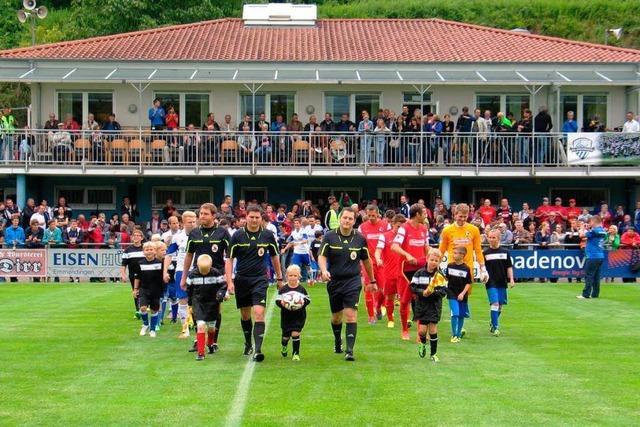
631, 125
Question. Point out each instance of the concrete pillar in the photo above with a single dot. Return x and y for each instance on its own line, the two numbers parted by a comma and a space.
21, 190
228, 187
446, 190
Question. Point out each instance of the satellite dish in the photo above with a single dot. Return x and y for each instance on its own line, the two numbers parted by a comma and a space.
617, 33
42, 12
22, 16
29, 4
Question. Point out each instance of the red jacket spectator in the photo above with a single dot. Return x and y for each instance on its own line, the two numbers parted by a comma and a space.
560, 211
542, 213
573, 212
504, 212
630, 239
94, 234
605, 215
487, 212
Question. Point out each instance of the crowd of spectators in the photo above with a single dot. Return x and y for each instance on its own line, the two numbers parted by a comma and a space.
386, 137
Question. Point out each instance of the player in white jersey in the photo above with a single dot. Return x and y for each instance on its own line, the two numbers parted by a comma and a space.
169, 268
300, 241
178, 247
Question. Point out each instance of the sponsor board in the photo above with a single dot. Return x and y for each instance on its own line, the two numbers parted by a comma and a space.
84, 262
23, 262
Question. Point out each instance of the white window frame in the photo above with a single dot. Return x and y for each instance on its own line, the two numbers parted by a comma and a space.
435, 105
352, 103
267, 104
85, 205
85, 102
182, 104
179, 204
576, 190
580, 104
243, 191
503, 99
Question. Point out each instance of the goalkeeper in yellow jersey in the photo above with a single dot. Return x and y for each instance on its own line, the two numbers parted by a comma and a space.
429, 286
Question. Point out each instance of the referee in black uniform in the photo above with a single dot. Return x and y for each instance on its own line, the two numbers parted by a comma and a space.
206, 239
339, 261
249, 245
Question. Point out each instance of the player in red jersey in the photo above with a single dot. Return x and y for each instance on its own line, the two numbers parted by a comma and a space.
384, 256
412, 244
372, 229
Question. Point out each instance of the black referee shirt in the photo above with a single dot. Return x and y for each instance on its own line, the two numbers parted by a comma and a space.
150, 275
458, 276
344, 253
212, 241
497, 261
250, 249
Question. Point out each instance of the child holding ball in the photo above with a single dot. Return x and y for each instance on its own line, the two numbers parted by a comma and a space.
293, 300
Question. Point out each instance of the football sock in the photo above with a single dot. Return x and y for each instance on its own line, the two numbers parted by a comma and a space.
200, 342
423, 338
390, 306
216, 332
460, 325
211, 337
337, 334
145, 318
154, 321
163, 308
246, 330
454, 326
182, 313
369, 301
380, 301
495, 313
433, 341
351, 331
295, 343
284, 341
258, 335
174, 311
404, 315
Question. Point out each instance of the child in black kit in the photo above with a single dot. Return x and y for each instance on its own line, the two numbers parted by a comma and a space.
292, 321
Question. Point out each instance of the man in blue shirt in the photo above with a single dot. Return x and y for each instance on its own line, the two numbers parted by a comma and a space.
156, 115
594, 254
570, 125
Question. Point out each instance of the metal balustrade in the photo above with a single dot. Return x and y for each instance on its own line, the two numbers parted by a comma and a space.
196, 148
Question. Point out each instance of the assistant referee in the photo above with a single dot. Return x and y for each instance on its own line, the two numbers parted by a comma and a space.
341, 252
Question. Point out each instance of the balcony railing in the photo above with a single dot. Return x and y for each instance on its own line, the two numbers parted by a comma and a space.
195, 148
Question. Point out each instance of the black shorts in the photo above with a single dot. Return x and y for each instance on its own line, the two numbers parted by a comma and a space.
428, 310
150, 298
344, 293
292, 321
205, 305
250, 291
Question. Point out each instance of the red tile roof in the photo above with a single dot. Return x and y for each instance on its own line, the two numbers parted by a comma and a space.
337, 40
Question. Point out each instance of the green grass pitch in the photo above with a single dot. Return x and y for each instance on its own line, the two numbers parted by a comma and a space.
71, 355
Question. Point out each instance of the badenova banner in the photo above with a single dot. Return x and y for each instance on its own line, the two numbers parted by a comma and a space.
84, 262
23, 263
615, 149
559, 263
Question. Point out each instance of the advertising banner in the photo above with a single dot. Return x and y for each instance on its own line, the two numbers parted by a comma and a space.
23, 262
614, 149
84, 262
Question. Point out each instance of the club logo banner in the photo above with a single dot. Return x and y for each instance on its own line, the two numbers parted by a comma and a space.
23, 263
614, 149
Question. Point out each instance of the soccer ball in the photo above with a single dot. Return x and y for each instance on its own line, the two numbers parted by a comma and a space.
292, 300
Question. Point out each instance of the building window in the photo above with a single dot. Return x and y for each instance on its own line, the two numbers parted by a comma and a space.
493, 194
508, 103
585, 107
183, 198
317, 194
412, 101
353, 104
585, 197
98, 198
259, 194
192, 108
80, 104
391, 196
269, 104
